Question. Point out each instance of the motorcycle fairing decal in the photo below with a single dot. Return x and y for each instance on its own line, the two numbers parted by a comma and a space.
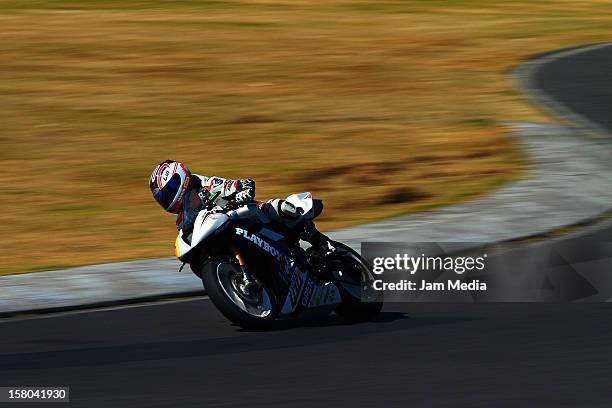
177, 249
287, 266
325, 294
274, 236
304, 293
298, 280
263, 244
296, 288
308, 292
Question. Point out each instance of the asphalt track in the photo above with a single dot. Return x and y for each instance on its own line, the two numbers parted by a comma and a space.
444, 355
581, 82
184, 354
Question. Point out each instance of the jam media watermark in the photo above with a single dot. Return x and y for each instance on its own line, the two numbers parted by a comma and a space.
476, 272
405, 271
412, 264
450, 284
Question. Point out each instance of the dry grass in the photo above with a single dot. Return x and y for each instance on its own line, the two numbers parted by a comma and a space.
394, 106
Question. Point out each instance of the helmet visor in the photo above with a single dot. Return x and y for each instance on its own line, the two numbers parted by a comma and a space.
166, 195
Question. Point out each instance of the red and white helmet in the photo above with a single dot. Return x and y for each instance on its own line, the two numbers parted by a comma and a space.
168, 183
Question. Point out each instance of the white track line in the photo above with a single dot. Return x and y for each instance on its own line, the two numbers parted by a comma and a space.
50, 315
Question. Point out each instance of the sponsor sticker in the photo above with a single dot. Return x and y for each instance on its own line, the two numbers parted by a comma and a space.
308, 292
263, 244
227, 186
163, 175
215, 181
294, 289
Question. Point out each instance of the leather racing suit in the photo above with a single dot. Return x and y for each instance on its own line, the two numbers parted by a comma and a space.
226, 193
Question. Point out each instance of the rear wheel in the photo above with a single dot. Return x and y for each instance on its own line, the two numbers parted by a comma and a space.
360, 302
253, 309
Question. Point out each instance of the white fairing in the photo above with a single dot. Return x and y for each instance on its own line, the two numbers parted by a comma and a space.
303, 201
205, 225
182, 247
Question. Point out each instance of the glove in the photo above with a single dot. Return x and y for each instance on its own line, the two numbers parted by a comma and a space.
205, 201
244, 196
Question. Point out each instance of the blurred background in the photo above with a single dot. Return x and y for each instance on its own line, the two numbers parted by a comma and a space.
379, 108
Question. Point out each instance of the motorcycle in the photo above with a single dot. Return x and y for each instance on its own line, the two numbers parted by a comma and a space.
254, 273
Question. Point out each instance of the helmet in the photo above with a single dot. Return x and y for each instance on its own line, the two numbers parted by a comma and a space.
168, 183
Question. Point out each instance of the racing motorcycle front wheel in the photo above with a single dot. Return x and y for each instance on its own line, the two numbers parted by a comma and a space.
252, 308
360, 302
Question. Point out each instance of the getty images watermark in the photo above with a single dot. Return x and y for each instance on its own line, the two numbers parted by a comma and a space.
426, 271
412, 264
479, 272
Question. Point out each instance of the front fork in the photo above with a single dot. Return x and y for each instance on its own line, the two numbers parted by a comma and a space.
247, 282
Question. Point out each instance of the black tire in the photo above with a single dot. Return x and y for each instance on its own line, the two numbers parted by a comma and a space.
352, 308
227, 307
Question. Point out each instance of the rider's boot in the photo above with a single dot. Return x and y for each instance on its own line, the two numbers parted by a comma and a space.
321, 249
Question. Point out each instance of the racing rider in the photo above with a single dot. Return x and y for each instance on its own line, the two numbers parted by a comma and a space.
176, 189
